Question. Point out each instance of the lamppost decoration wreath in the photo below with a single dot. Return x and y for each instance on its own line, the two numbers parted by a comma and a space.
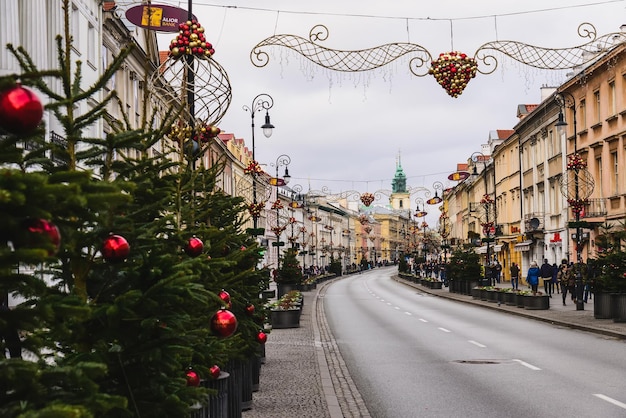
452, 70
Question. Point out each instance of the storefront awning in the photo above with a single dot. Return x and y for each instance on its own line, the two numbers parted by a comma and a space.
523, 246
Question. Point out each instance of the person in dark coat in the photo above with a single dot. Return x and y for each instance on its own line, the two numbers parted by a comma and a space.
546, 275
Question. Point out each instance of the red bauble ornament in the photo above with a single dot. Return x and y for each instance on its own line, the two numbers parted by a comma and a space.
20, 110
215, 371
225, 296
43, 227
192, 378
115, 248
224, 323
194, 247
250, 309
261, 337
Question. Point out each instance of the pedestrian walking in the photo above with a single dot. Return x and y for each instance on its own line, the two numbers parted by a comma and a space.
566, 280
532, 278
498, 271
555, 280
546, 275
514, 269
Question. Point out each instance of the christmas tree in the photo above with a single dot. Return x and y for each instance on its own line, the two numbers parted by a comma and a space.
115, 258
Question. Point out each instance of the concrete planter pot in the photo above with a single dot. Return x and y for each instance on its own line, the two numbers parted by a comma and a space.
618, 307
602, 305
288, 318
536, 302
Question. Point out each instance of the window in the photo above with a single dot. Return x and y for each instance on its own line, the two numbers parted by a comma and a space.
583, 114
91, 44
75, 28
599, 173
596, 106
615, 165
612, 99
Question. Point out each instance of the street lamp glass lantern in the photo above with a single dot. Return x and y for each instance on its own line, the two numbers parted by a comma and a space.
286, 177
561, 124
267, 126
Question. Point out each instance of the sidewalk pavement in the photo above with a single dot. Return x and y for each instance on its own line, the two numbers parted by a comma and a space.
305, 376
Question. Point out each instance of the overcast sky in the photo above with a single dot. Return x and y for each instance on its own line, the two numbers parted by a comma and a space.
344, 131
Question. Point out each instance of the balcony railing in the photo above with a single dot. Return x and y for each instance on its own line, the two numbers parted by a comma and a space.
595, 208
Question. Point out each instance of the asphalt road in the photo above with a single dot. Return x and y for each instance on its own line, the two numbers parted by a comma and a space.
414, 355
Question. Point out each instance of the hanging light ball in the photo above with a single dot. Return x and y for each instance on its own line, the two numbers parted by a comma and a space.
194, 247
115, 248
193, 379
261, 337
224, 323
225, 296
21, 110
42, 227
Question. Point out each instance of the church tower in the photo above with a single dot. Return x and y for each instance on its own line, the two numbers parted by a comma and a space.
400, 199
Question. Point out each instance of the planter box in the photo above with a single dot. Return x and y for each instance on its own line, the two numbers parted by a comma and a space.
536, 302
289, 318
602, 305
509, 298
284, 288
476, 293
268, 294
436, 285
618, 307
492, 295
483, 294
519, 300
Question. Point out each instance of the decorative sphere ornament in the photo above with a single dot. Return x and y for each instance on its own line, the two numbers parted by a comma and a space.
194, 247
223, 323
115, 248
20, 110
261, 337
225, 296
215, 371
45, 228
249, 309
193, 379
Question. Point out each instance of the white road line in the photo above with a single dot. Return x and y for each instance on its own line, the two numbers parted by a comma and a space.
477, 343
397, 308
610, 400
523, 363
444, 330
423, 320
389, 303
408, 313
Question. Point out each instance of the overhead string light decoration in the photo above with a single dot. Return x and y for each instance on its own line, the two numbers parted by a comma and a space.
452, 70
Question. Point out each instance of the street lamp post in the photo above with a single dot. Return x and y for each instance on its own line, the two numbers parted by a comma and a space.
261, 102
577, 166
282, 161
486, 201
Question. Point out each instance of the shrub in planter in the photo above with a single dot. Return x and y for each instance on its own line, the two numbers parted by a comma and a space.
464, 267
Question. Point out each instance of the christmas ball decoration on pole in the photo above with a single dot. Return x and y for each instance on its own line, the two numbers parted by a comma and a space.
42, 227
191, 41
225, 296
21, 110
115, 248
215, 371
193, 379
261, 337
194, 247
223, 323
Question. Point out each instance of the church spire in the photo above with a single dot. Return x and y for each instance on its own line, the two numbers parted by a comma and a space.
398, 185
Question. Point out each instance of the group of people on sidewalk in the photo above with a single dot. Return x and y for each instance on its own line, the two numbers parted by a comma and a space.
561, 277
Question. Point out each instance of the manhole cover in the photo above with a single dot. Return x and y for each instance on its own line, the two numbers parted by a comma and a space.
477, 361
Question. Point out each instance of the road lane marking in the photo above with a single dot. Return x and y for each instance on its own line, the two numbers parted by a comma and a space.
477, 344
423, 320
523, 363
408, 313
610, 400
397, 308
443, 329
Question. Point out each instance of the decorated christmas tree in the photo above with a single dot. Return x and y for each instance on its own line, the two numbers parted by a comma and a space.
116, 262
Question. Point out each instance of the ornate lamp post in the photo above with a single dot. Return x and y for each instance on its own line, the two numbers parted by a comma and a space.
261, 102
577, 185
486, 201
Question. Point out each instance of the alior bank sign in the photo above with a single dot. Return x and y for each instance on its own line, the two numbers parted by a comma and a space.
157, 17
